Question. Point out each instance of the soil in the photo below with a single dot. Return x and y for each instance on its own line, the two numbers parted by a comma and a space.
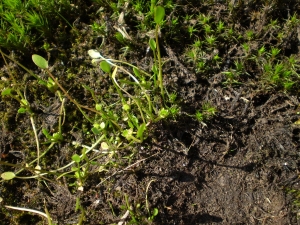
236, 168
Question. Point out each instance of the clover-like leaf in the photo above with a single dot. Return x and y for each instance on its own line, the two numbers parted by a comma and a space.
76, 158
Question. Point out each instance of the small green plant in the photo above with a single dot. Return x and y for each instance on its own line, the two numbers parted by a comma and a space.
220, 27
249, 35
159, 13
207, 112
211, 40
207, 29
136, 213
191, 30
203, 19
273, 24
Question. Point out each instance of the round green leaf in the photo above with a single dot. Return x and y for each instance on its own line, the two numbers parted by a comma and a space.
8, 175
159, 14
40, 61
105, 66
76, 158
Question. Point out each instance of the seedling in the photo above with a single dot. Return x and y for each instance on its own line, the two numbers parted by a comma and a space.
220, 27
204, 19
211, 40
207, 29
250, 35
192, 30
159, 14
207, 112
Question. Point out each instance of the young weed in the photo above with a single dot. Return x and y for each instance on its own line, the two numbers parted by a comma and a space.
207, 112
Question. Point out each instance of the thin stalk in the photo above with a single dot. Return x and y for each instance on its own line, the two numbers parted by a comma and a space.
137, 103
19, 64
28, 210
79, 106
36, 140
160, 78
11, 75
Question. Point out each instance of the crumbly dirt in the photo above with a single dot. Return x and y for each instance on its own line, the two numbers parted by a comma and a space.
235, 168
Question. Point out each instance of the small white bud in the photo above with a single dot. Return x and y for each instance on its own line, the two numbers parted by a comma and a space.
94, 54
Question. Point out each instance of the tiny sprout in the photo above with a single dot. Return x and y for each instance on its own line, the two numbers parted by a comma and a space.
37, 169
197, 44
210, 40
174, 110
273, 24
274, 52
96, 56
199, 116
102, 125
216, 57
230, 31
250, 34
207, 29
220, 26
191, 30
261, 50
200, 65
163, 113
293, 20
238, 66
172, 97
204, 19
209, 109
126, 107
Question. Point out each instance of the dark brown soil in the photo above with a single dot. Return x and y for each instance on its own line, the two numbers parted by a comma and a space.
235, 168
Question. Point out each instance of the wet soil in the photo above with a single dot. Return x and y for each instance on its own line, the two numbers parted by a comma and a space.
236, 168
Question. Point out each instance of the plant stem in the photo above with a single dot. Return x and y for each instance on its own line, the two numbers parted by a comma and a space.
160, 78
79, 106
36, 140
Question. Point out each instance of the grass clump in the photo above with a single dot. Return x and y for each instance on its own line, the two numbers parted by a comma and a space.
24, 23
